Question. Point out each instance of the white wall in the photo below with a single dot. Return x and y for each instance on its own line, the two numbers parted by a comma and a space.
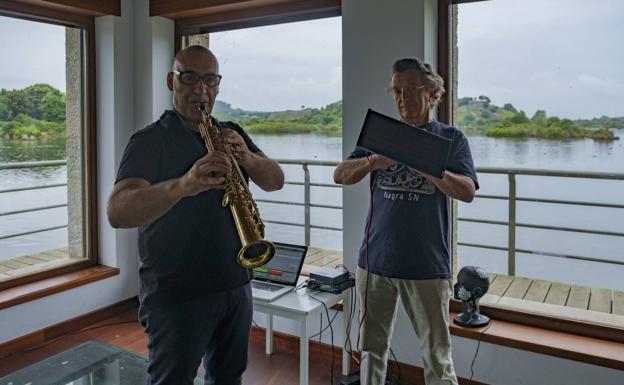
374, 34
116, 54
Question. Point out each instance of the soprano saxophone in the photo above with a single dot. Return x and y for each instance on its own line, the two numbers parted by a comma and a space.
255, 250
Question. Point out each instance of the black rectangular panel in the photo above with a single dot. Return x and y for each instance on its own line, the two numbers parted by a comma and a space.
417, 148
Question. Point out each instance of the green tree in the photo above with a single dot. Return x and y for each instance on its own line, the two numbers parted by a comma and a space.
486, 101
53, 107
29, 101
509, 107
4, 108
464, 101
539, 116
519, 118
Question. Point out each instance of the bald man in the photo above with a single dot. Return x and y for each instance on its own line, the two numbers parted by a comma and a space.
195, 299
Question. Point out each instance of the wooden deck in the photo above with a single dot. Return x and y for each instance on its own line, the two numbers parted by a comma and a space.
555, 293
528, 294
13, 267
320, 257
10, 268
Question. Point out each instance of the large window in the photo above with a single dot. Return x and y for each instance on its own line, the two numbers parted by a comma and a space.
540, 94
45, 181
283, 84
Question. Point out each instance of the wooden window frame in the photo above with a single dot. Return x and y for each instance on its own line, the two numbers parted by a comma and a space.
259, 16
86, 23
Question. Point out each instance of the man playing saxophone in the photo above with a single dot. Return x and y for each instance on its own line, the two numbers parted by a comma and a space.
195, 298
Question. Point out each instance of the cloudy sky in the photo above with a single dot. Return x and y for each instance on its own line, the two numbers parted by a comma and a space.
564, 56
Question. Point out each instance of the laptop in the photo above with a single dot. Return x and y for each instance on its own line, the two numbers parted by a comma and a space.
278, 276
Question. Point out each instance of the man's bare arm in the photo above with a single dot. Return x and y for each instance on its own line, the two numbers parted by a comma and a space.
265, 172
455, 185
351, 171
135, 202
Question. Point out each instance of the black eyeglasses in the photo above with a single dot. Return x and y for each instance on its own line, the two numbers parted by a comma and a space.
396, 91
191, 78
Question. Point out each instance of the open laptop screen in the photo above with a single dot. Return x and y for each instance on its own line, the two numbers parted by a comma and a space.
284, 267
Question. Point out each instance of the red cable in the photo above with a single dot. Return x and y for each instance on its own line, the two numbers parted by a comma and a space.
368, 224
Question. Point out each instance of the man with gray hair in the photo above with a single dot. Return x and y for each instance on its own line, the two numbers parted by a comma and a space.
195, 298
405, 252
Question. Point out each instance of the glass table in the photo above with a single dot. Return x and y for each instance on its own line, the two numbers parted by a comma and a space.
91, 363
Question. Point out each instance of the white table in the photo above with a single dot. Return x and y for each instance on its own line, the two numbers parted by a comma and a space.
300, 307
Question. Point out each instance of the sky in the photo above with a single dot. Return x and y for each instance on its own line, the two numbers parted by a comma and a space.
562, 56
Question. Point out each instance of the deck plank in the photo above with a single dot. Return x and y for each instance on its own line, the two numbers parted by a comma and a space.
558, 294
500, 285
12, 265
518, 287
60, 253
27, 259
600, 300
538, 290
579, 297
45, 257
618, 303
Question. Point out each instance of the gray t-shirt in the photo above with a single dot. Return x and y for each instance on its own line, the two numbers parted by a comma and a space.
190, 250
408, 235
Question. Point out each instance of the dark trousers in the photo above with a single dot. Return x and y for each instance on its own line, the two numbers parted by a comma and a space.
215, 327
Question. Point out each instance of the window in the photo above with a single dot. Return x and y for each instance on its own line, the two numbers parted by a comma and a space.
540, 87
46, 152
283, 84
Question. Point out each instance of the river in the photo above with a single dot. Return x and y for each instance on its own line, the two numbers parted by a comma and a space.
580, 155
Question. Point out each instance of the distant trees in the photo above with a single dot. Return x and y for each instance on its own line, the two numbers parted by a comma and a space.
509, 107
39, 101
31, 112
479, 115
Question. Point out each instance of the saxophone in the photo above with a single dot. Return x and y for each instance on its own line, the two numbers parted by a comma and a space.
255, 251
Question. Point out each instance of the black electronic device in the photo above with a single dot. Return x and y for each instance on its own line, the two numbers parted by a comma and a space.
472, 283
417, 148
329, 280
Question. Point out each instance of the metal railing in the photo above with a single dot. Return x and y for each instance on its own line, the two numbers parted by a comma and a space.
512, 199
307, 204
512, 223
29, 165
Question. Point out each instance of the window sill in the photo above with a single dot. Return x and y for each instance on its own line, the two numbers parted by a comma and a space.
544, 341
563, 338
48, 286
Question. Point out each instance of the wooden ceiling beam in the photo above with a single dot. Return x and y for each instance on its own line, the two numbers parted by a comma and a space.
259, 11
97, 7
173, 8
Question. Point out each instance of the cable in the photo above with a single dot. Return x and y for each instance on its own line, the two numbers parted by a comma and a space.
396, 361
347, 343
476, 352
368, 224
331, 329
254, 322
325, 328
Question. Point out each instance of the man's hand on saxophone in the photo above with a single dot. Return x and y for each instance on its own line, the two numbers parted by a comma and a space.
207, 173
241, 151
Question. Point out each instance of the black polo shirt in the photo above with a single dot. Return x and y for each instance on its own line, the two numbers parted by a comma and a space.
190, 250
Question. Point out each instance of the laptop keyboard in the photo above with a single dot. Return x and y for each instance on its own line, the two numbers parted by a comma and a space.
265, 286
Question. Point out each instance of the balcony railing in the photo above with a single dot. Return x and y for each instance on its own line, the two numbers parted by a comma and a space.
29, 165
512, 198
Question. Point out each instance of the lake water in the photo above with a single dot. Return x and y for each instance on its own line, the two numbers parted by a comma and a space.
585, 155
